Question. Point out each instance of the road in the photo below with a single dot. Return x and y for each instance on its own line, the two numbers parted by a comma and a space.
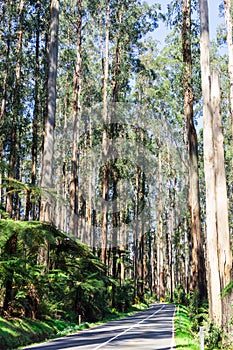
152, 329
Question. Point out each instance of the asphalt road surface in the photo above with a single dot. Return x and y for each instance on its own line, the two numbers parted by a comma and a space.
152, 329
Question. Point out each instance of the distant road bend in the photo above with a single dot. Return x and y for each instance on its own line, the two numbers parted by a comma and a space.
152, 329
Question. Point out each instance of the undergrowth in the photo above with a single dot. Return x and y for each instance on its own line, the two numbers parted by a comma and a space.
191, 314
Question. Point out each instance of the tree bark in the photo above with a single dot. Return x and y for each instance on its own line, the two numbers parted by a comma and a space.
105, 141
76, 111
228, 18
214, 289
160, 239
4, 93
48, 147
198, 281
136, 232
224, 248
217, 231
11, 198
31, 205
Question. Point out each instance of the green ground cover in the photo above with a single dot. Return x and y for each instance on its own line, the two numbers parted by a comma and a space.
187, 331
185, 338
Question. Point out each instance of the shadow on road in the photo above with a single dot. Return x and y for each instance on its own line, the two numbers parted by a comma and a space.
138, 328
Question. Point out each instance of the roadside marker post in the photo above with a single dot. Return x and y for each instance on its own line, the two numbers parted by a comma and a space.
201, 338
79, 319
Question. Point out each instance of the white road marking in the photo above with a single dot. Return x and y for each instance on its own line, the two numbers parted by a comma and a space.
128, 329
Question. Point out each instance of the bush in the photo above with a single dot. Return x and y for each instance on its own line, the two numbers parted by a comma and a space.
179, 295
150, 298
124, 296
213, 335
197, 310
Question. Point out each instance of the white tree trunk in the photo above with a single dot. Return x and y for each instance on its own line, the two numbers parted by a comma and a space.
198, 279
224, 248
217, 227
214, 289
105, 141
48, 150
228, 18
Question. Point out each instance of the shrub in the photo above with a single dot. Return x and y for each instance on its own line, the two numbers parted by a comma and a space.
213, 335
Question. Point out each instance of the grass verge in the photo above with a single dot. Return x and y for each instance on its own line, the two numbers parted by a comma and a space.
17, 333
185, 338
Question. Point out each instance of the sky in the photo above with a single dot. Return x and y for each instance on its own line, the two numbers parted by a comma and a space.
214, 19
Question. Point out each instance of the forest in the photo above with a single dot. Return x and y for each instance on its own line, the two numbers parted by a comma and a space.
116, 171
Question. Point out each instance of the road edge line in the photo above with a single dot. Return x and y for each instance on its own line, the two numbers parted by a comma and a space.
128, 329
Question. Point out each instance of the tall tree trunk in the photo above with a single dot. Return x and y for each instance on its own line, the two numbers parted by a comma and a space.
223, 239
160, 240
115, 207
105, 141
136, 232
11, 199
48, 147
228, 18
46, 205
4, 93
143, 263
76, 111
65, 147
30, 204
214, 289
198, 281
89, 208
217, 230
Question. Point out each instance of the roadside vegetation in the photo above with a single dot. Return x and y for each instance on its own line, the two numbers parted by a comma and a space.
40, 302
191, 314
185, 338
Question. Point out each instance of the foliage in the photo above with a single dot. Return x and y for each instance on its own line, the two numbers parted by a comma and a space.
125, 295
228, 289
188, 320
185, 337
213, 335
197, 310
19, 332
179, 294
73, 283
187, 329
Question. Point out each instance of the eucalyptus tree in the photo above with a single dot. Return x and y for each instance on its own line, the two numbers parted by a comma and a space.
6, 16
76, 113
159, 84
219, 255
228, 17
105, 141
12, 200
48, 144
198, 280
18, 60
40, 16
